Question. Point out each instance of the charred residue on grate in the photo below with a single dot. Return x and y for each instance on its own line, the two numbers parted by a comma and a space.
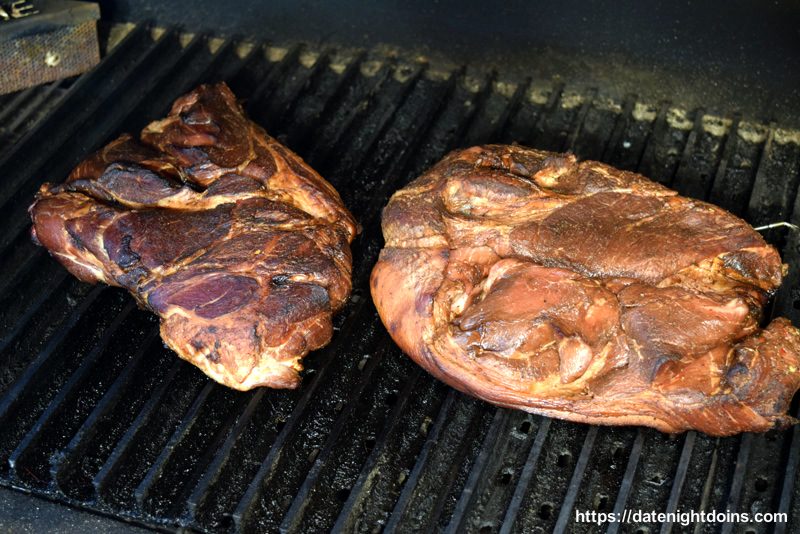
98, 414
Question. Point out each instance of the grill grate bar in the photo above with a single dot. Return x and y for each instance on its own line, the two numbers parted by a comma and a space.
34, 305
32, 108
725, 155
627, 480
193, 452
775, 184
389, 144
728, 150
273, 98
189, 419
330, 136
104, 475
37, 367
201, 491
526, 475
252, 492
789, 480
659, 129
550, 108
501, 124
375, 454
397, 162
623, 120
293, 91
294, 514
58, 401
222, 66
63, 461
15, 271
568, 504
269, 83
252, 495
709, 482
454, 475
739, 203
319, 105
686, 184
572, 139
416, 472
472, 120
739, 471
499, 422
490, 109
680, 478
366, 139
16, 102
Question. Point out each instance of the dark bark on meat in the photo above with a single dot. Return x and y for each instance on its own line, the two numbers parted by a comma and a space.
239, 246
579, 291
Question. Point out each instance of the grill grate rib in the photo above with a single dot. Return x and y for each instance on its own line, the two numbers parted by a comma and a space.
96, 414
627, 480
56, 406
680, 478
64, 463
104, 475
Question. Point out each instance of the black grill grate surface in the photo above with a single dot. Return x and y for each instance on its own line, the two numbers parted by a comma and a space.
97, 414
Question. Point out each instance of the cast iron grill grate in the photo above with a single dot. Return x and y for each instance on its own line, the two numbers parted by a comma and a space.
97, 414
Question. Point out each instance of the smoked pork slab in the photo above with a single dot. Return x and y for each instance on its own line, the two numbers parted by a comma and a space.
238, 245
579, 291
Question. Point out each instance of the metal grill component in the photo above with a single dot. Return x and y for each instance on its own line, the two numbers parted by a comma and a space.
56, 42
19, 111
95, 413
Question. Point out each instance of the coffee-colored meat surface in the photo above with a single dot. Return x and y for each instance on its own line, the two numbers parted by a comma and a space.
238, 245
579, 291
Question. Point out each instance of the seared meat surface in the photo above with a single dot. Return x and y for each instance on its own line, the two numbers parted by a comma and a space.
239, 246
579, 291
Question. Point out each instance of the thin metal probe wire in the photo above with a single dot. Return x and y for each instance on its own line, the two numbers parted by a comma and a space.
790, 226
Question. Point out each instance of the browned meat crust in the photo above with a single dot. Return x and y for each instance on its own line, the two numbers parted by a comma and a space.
579, 291
239, 246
